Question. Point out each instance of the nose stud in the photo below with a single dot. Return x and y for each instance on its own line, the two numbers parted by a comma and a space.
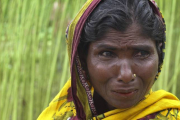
134, 75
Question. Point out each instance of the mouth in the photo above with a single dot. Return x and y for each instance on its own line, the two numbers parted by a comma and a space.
125, 93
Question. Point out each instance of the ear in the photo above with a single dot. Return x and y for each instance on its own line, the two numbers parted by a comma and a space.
160, 45
159, 52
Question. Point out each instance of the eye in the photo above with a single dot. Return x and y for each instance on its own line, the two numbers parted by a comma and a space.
106, 54
142, 54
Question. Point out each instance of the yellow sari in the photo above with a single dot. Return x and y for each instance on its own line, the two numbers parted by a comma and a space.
75, 100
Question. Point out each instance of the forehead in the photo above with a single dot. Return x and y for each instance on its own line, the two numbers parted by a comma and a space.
123, 40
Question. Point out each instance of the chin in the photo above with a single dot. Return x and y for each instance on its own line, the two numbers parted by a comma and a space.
125, 105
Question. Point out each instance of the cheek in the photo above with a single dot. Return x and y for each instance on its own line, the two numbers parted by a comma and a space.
99, 74
97, 71
148, 71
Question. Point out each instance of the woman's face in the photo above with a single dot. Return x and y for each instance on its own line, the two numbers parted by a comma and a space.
112, 62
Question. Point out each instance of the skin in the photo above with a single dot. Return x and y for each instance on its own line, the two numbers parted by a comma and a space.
112, 62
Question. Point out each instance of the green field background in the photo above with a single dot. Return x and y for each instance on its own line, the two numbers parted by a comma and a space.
33, 58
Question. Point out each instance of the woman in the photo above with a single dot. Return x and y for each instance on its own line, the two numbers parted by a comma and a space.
116, 50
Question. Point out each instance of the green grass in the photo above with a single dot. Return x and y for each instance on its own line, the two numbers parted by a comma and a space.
168, 79
33, 62
33, 57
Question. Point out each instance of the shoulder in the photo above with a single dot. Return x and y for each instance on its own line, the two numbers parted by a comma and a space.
163, 106
169, 114
61, 107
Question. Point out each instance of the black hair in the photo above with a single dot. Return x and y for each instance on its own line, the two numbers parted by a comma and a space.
119, 15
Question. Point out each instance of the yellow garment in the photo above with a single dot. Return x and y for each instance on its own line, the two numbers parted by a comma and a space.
62, 106
61, 109
57, 107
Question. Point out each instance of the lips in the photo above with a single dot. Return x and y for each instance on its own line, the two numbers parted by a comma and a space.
125, 92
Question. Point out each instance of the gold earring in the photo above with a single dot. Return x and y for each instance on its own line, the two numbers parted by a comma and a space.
134, 75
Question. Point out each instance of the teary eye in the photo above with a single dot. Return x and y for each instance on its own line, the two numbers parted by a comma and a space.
142, 54
106, 54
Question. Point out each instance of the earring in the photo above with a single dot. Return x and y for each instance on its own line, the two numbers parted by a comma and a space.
134, 75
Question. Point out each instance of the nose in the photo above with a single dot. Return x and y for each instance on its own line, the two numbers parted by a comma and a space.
125, 73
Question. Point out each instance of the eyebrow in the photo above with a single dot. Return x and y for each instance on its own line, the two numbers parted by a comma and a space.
136, 47
105, 46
